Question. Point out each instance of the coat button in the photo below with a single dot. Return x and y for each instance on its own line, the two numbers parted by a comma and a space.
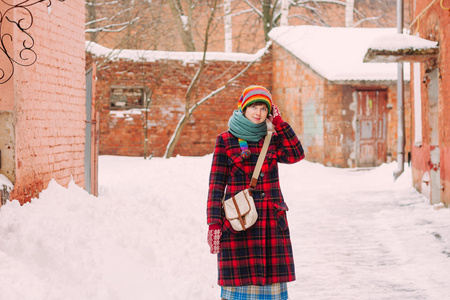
263, 195
261, 175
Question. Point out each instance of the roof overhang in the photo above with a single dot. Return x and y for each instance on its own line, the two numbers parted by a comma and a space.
401, 48
365, 82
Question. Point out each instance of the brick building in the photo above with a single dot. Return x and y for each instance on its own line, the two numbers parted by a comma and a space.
431, 82
248, 36
42, 106
426, 48
343, 110
129, 77
344, 114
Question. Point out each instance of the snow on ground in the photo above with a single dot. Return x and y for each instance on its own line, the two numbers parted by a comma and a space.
356, 235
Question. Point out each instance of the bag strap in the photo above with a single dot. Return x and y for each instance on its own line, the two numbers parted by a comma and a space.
260, 161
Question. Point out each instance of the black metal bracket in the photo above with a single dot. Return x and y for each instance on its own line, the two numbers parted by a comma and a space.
26, 56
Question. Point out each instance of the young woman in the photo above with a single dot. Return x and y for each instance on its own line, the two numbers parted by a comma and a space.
256, 263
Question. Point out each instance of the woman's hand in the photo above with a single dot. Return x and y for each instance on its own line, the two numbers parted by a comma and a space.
275, 117
214, 234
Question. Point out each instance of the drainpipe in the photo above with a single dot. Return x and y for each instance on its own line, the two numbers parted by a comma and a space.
400, 101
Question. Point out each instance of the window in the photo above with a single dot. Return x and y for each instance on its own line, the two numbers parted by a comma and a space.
127, 97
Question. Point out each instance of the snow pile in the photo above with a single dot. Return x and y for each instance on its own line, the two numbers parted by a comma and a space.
5, 181
395, 42
336, 53
356, 235
187, 57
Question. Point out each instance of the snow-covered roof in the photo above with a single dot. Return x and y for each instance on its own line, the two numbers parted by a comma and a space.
400, 47
337, 53
397, 41
151, 55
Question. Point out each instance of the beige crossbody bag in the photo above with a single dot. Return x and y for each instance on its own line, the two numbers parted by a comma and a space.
240, 209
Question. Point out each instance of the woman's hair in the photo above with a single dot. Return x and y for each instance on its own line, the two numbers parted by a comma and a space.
256, 103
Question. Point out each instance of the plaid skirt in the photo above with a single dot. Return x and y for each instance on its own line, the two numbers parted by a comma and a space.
277, 291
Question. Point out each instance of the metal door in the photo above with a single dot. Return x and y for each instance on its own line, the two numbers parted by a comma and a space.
433, 100
371, 128
92, 129
88, 131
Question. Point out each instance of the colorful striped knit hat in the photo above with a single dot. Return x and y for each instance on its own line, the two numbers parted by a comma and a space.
255, 93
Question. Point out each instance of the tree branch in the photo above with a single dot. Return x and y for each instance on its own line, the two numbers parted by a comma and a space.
188, 113
254, 9
367, 20
106, 28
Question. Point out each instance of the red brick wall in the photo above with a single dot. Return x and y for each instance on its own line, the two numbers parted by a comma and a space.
339, 133
322, 113
122, 133
297, 91
444, 101
49, 101
434, 25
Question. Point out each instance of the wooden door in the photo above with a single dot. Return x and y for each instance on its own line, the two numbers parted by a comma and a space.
371, 128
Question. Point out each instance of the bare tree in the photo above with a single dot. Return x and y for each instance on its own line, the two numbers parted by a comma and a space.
270, 12
193, 85
149, 88
189, 110
189, 106
130, 24
105, 16
183, 22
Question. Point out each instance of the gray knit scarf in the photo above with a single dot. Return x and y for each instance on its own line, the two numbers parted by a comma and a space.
244, 129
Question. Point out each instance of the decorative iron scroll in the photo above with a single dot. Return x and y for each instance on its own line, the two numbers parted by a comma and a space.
25, 56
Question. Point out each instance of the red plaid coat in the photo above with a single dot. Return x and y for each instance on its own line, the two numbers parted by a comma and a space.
261, 255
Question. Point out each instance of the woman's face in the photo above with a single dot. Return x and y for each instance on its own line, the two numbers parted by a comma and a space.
257, 113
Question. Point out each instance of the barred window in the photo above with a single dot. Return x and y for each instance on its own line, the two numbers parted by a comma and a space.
127, 97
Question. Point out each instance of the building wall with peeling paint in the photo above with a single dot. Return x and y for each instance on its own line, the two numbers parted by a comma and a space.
323, 113
431, 156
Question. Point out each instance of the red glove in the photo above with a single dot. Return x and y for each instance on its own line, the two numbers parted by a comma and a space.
275, 117
214, 234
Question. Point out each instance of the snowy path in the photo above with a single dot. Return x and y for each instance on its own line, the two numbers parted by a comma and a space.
362, 237
356, 235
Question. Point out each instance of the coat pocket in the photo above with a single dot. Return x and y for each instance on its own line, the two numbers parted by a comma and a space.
281, 209
236, 165
271, 165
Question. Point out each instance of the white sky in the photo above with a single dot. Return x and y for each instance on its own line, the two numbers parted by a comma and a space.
356, 235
